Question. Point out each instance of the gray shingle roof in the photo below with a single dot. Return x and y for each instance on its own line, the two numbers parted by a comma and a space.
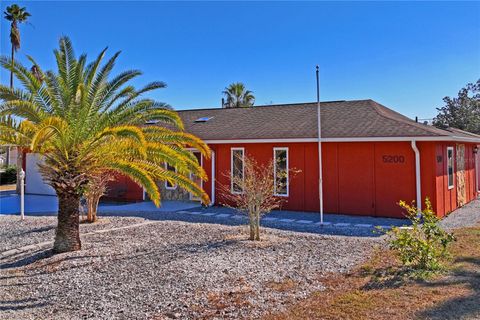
340, 119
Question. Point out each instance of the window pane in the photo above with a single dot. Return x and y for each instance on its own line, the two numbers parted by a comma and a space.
237, 169
281, 172
450, 167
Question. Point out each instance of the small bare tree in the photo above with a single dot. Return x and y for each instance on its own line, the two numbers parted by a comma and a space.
96, 188
257, 192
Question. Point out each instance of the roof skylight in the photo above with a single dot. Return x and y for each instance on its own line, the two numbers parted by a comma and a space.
203, 119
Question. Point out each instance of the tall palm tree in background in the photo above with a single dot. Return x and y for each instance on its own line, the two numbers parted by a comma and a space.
16, 15
84, 122
237, 96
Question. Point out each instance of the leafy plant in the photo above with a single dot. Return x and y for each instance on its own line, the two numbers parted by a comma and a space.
422, 246
9, 175
257, 192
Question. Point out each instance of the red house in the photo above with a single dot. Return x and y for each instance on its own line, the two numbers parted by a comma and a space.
372, 157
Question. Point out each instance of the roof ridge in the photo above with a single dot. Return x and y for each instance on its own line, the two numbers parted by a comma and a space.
274, 105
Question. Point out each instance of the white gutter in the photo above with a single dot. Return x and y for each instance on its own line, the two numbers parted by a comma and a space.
418, 178
212, 198
477, 167
352, 139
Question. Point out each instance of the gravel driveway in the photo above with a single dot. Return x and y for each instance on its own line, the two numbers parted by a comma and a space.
174, 269
171, 269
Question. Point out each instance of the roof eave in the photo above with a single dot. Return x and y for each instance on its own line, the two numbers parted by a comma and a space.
345, 139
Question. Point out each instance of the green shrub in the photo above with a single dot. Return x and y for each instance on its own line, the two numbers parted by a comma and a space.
422, 246
9, 176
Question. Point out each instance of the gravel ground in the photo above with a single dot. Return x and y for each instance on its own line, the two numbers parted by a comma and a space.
466, 216
15, 233
173, 269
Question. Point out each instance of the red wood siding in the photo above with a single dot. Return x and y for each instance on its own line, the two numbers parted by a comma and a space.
367, 178
124, 189
356, 178
445, 200
394, 178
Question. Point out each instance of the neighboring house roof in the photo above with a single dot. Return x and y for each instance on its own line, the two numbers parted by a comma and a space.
340, 120
463, 133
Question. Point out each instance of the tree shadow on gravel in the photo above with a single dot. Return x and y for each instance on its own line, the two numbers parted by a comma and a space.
26, 260
460, 307
202, 247
37, 257
36, 230
242, 220
22, 304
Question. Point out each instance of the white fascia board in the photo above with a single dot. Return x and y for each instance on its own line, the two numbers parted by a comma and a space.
356, 139
286, 140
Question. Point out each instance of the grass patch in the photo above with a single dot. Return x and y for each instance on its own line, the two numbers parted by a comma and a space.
381, 289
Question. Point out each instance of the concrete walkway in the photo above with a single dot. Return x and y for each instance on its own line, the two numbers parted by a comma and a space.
42, 205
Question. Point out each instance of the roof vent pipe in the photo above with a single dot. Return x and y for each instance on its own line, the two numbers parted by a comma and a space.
223, 103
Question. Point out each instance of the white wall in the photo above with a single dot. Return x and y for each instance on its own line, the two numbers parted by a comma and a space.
33, 178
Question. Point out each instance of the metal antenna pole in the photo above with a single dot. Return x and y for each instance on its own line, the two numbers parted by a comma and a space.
320, 180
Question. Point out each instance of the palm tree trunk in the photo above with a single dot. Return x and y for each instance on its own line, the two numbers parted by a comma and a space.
11, 72
67, 237
252, 226
19, 150
92, 204
257, 227
19, 167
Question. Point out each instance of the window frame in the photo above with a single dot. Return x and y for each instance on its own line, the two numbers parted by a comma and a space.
174, 187
451, 186
231, 168
275, 193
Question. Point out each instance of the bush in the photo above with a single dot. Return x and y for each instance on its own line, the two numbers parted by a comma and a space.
424, 245
9, 176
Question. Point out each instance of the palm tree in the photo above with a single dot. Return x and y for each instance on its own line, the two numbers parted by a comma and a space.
237, 96
16, 15
84, 122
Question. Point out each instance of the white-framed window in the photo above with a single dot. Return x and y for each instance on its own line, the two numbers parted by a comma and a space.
168, 185
280, 171
450, 168
237, 168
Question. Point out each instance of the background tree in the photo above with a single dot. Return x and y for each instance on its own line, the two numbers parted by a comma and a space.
462, 112
258, 197
16, 15
237, 96
82, 121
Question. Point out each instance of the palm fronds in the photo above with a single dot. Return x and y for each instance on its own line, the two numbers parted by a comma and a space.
83, 121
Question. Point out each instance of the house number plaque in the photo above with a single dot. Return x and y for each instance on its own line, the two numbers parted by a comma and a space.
393, 159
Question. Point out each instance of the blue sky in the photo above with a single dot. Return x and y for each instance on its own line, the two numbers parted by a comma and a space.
406, 55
